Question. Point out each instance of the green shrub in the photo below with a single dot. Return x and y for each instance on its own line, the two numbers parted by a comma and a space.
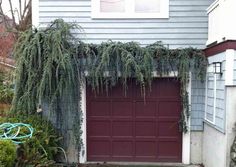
7, 153
42, 148
6, 87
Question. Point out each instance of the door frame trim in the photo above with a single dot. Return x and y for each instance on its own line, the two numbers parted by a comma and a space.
186, 138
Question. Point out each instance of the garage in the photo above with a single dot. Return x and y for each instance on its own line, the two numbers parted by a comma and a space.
128, 128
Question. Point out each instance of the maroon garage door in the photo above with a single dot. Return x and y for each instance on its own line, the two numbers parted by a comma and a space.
125, 128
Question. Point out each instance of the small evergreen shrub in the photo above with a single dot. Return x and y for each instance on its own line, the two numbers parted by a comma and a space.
7, 153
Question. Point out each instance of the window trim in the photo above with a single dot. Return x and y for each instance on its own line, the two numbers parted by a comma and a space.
130, 13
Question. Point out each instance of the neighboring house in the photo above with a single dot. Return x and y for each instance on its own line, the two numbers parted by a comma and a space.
7, 41
129, 133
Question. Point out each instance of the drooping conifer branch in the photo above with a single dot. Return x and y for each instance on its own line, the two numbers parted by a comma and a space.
51, 63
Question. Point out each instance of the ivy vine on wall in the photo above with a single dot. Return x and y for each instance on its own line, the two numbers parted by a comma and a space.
52, 63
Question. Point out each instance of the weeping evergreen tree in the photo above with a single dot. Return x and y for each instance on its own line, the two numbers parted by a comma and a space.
51, 63
47, 70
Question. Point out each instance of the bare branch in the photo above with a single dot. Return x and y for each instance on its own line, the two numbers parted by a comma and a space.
25, 4
5, 20
20, 17
20, 9
1, 10
25, 9
12, 13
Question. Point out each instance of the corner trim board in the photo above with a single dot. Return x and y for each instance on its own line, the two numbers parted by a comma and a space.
83, 152
186, 141
229, 67
35, 13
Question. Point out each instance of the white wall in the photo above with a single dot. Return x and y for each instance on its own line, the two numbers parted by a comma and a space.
196, 147
214, 147
231, 119
221, 25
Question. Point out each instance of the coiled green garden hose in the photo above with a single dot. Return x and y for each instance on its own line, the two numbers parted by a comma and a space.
16, 132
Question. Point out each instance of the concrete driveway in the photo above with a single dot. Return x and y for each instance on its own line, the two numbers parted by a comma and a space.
137, 165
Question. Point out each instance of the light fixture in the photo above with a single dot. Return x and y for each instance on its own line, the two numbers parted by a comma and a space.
217, 68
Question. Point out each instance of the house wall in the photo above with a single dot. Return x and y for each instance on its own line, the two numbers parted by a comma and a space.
197, 103
186, 26
214, 151
221, 28
203, 94
215, 85
231, 120
196, 147
63, 120
217, 152
197, 118
221, 126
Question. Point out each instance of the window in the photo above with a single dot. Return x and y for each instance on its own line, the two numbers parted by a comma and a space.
112, 6
130, 8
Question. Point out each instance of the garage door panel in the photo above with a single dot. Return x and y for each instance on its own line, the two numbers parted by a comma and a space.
103, 148
168, 119
118, 92
168, 150
100, 128
169, 139
122, 128
99, 109
145, 119
98, 93
147, 109
129, 128
168, 129
171, 91
122, 109
122, 148
149, 93
146, 149
153, 93
146, 129
169, 109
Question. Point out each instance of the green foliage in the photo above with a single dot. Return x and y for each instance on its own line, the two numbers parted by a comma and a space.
7, 153
6, 87
47, 68
42, 148
126, 60
51, 63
